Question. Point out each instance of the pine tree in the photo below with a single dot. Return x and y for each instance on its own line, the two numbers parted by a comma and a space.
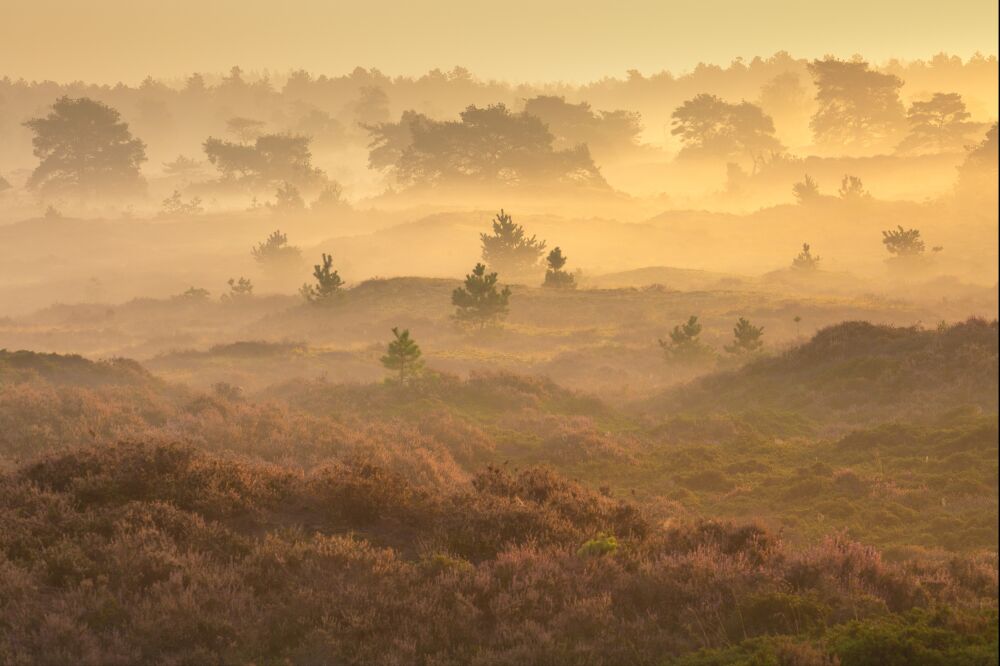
239, 290
746, 338
806, 191
276, 255
684, 344
555, 276
903, 242
805, 260
478, 301
509, 249
403, 356
328, 283
852, 189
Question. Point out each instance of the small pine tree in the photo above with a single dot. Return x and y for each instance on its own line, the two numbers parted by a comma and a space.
746, 338
287, 199
555, 276
852, 189
240, 289
903, 242
684, 344
328, 283
276, 255
196, 294
805, 260
403, 356
806, 191
509, 249
479, 301
174, 205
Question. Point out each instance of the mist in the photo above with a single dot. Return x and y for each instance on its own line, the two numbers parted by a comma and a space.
587, 352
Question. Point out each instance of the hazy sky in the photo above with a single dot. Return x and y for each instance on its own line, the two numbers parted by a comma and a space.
111, 40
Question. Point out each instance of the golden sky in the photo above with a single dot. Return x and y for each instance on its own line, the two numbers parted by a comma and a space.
112, 40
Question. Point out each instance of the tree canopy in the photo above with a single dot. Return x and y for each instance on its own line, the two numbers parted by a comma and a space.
857, 105
272, 160
85, 149
711, 127
487, 145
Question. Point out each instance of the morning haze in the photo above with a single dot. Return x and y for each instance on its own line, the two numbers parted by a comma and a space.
536, 333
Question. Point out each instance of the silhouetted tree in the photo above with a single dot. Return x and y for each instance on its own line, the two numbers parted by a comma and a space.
555, 276
805, 259
245, 129
977, 176
806, 190
182, 167
487, 146
239, 290
287, 199
940, 124
272, 159
479, 301
328, 283
403, 355
194, 294
372, 105
84, 148
683, 344
852, 189
857, 106
276, 254
711, 127
604, 132
508, 248
746, 338
330, 198
903, 242
174, 205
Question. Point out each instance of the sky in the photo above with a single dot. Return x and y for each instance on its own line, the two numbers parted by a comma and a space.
517, 40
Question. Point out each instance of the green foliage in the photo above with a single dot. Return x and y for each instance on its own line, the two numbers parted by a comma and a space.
85, 149
403, 356
805, 260
684, 344
599, 546
555, 277
746, 338
328, 283
479, 302
903, 242
509, 249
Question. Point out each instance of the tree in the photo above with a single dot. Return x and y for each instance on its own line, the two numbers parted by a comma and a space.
606, 133
275, 253
977, 176
330, 198
328, 283
806, 191
684, 344
555, 276
805, 260
182, 167
245, 129
487, 146
84, 148
711, 127
479, 301
372, 105
194, 294
287, 199
239, 290
273, 159
746, 338
403, 355
857, 106
903, 242
509, 249
940, 124
852, 189
175, 206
